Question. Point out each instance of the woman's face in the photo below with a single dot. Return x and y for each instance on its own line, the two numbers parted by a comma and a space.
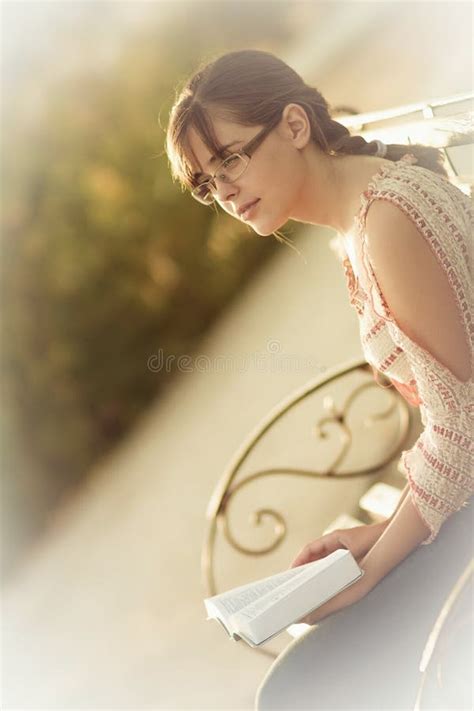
275, 174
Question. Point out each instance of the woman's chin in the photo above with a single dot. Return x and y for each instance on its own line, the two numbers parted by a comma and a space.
265, 229
261, 231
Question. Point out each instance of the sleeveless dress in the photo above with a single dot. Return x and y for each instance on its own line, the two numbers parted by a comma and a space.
440, 465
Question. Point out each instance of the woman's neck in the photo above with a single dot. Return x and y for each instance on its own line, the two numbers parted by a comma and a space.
333, 189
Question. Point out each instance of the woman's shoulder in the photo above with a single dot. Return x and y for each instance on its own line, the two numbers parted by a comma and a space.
428, 198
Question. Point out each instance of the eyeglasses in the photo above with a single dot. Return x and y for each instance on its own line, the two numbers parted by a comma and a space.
231, 167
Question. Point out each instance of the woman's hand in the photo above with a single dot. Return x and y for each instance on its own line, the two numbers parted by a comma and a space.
359, 540
347, 597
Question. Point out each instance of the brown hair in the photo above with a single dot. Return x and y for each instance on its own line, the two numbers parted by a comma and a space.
252, 87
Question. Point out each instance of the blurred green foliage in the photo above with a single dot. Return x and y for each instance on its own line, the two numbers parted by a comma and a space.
105, 260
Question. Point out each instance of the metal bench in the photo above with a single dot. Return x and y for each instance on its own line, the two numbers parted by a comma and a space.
306, 465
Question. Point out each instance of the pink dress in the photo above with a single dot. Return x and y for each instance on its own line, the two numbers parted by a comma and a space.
440, 465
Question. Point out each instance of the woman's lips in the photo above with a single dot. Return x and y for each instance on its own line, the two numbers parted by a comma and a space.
249, 211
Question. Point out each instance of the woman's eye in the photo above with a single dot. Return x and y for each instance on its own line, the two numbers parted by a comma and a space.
229, 162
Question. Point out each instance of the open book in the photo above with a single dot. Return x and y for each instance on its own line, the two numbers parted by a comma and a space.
258, 611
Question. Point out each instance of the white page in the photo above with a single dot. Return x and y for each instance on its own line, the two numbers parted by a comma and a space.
310, 570
232, 601
280, 629
261, 604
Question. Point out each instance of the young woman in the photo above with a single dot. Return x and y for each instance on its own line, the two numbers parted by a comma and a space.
248, 133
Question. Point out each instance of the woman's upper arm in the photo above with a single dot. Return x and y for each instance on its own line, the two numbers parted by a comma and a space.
416, 287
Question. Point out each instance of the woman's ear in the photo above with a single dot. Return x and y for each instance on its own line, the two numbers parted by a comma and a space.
296, 125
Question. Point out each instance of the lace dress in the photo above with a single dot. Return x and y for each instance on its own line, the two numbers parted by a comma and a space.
439, 467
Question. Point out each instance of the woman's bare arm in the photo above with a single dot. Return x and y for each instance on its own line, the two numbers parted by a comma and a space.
400, 502
383, 524
403, 534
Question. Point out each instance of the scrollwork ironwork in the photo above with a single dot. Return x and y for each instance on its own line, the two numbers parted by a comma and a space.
225, 491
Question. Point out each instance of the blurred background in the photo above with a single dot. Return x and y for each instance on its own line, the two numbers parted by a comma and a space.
109, 451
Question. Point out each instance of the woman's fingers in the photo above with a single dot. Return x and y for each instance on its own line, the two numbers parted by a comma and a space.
358, 540
312, 551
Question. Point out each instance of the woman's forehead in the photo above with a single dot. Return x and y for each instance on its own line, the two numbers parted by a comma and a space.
228, 136
200, 154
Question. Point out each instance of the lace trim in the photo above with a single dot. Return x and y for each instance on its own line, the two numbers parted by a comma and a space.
357, 295
432, 508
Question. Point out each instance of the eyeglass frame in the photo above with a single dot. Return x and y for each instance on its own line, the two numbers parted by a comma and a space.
248, 149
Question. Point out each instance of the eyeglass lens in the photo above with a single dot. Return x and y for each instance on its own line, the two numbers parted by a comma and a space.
229, 170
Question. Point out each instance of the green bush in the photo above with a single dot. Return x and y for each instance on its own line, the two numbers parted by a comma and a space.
104, 262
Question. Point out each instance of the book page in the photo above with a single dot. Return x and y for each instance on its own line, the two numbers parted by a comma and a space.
260, 604
260, 621
234, 600
280, 629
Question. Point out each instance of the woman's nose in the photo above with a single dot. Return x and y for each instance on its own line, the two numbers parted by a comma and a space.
224, 191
